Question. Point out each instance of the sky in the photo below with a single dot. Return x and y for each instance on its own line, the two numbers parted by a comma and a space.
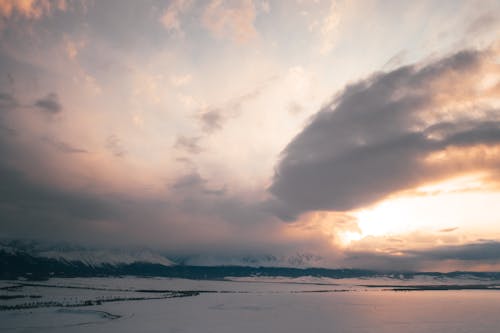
365, 133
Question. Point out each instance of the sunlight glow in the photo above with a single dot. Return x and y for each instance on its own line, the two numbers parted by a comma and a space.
461, 203
348, 237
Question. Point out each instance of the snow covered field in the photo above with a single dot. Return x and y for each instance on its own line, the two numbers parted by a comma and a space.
246, 305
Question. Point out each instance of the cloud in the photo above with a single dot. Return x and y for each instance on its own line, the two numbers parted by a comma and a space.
471, 256
483, 251
62, 146
115, 146
396, 60
73, 47
232, 20
449, 229
190, 181
392, 132
28, 8
27, 203
171, 17
329, 28
193, 185
49, 104
484, 23
188, 144
196, 217
211, 120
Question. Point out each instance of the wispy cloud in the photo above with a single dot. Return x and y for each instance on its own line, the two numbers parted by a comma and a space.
171, 18
30, 8
115, 146
232, 20
329, 28
189, 144
49, 104
212, 118
62, 146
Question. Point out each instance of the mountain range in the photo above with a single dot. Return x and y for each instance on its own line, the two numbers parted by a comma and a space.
32, 260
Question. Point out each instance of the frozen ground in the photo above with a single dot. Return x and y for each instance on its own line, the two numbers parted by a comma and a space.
247, 305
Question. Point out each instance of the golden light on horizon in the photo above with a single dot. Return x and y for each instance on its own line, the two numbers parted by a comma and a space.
463, 203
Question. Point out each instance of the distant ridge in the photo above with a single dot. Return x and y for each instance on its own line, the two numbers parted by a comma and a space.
20, 263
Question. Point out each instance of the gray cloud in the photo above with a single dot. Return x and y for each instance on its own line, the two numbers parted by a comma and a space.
193, 183
188, 144
25, 203
212, 120
190, 222
457, 256
372, 139
483, 251
190, 181
195, 216
396, 60
62, 146
49, 103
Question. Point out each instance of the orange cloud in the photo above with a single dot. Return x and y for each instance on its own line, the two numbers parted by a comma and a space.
232, 21
32, 9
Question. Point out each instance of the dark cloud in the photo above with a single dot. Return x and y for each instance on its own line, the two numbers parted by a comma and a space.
484, 251
456, 256
25, 203
448, 229
217, 192
195, 216
188, 144
193, 183
49, 103
211, 120
190, 181
62, 146
372, 139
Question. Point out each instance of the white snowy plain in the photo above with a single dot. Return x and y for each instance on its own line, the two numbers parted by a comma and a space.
245, 305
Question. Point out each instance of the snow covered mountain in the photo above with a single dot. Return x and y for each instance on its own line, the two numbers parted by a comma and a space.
86, 256
41, 261
297, 260
94, 257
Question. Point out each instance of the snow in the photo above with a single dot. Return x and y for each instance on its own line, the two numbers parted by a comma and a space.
306, 304
88, 256
96, 258
420, 280
297, 260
